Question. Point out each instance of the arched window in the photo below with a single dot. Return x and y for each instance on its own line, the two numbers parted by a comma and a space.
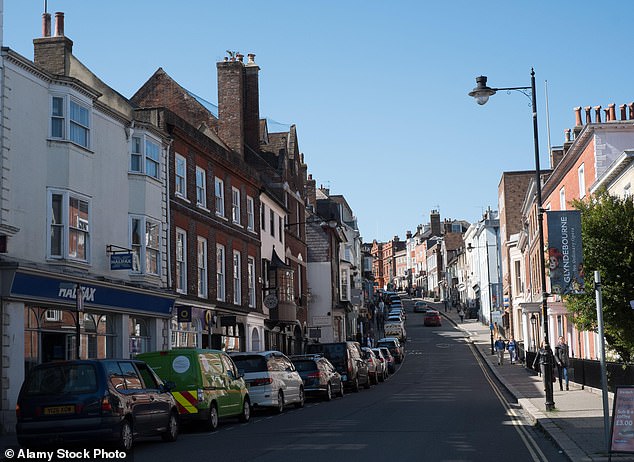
255, 340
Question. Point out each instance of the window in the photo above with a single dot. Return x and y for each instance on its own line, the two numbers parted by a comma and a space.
280, 224
181, 261
220, 197
285, 286
345, 292
237, 278
145, 240
562, 199
235, 205
69, 231
181, 176
202, 267
250, 214
251, 276
263, 217
272, 222
76, 127
201, 187
582, 181
144, 147
519, 285
220, 272
53, 315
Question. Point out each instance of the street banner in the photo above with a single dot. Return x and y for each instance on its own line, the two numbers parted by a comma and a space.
565, 254
622, 434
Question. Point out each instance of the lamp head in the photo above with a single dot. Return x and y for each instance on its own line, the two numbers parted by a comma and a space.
470, 247
481, 92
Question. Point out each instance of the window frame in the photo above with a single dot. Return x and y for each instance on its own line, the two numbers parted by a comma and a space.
581, 178
64, 228
68, 121
219, 193
144, 159
145, 250
237, 277
251, 281
202, 267
221, 279
250, 213
180, 180
235, 205
180, 259
201, 187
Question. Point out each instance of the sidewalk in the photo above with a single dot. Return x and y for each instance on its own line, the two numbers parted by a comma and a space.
576, 424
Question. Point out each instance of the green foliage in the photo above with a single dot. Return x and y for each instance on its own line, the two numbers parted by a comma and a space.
607, 224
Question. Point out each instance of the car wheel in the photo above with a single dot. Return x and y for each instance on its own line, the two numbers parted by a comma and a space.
341, 389
280, 402
172, 428
328, 396
212, 420
355, 385
126, 437
246, 411
300, 403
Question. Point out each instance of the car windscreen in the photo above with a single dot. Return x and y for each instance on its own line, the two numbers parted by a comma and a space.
250, 363
61, 379
335, 352
305, 366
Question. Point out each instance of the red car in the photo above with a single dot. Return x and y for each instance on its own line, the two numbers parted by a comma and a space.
432, 318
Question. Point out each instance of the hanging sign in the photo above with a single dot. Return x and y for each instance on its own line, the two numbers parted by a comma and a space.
565, 255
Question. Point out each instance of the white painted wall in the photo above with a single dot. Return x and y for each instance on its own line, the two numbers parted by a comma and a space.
320, 283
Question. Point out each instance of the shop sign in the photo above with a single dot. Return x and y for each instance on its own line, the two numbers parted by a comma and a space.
121, 261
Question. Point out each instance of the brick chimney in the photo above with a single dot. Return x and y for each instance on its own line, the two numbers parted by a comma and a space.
434, 223
231, 104
252, 104
311, 191
53, 53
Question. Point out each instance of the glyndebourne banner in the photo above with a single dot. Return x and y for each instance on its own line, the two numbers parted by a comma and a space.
565, 255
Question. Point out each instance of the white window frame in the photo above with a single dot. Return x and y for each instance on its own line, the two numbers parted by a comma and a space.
180, 174
237, 278
201, 259
181, 261
145, 251
250, 214
235, 205
562, 198
581, 176
220, 273
201, 187
345, 285
146, 162
68, 121
53, 315
219, 191
65, 231
251, 276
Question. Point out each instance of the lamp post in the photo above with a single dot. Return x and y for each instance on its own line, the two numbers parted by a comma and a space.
481, 93
534, 324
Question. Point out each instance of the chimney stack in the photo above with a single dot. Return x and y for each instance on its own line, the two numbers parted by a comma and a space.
252, 104
53, 53
231, 104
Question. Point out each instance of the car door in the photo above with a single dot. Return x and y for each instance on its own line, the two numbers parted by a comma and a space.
160, 402
232, 396
290, 378
138, 399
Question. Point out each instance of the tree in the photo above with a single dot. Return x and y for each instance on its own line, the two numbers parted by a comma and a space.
607, 229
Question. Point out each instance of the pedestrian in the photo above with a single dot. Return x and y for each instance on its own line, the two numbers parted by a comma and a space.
562, 359
512, 347
500, 346
445, 302
461, 314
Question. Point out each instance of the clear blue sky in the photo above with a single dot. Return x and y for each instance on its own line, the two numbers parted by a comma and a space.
377, 89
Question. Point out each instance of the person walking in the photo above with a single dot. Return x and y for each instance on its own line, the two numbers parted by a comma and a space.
562, 358
500, 346
461, 314
512, 347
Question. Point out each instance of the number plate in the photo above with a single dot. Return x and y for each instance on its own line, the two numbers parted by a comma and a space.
57, 410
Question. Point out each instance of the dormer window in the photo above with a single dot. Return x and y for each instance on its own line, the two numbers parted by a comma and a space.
145, 156
70, 120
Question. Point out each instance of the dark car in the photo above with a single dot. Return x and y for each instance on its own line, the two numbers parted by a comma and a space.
432, 318
391, 363
421, 307
347, 359
319, 376
94, 400
394, 345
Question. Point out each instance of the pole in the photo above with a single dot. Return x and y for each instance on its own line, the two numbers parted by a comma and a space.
79, 301
604, 375
547, 363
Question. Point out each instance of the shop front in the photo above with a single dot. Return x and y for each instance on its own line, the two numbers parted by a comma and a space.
51, 317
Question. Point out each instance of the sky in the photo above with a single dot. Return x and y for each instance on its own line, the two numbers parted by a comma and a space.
377, 89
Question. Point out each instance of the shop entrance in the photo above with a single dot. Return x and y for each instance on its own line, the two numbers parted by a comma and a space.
55, 346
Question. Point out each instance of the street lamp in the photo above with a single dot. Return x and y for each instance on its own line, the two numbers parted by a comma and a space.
482, 93
534, 324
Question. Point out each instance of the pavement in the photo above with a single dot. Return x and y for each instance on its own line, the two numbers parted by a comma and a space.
576, 424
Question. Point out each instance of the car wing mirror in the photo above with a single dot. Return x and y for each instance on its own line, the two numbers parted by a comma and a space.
168, 386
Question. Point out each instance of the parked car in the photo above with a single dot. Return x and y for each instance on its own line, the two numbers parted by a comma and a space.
271, 378
94, 400
319, 376
432, 318
421, 307
389, 359
207, 387
394, 345
347, 359
374, 368
381, 372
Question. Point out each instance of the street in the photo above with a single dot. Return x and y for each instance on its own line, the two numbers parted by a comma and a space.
439, 405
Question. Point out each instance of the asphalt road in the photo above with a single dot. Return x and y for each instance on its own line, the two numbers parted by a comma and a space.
440, 405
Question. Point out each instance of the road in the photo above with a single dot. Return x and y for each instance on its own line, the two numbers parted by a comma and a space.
440, 405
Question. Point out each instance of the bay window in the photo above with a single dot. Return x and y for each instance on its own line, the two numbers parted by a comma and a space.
69, 226
145, 237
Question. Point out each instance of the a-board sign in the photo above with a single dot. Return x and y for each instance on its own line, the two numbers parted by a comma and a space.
622, 435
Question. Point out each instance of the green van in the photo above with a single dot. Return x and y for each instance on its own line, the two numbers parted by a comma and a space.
207, 384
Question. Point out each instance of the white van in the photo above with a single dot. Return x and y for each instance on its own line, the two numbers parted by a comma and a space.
395, 329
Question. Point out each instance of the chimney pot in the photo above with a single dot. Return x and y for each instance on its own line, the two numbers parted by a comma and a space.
612, 110
59, 24
631, 106
240, 57
597, 114
567, 135
588, 116
251, 57
578, 116
607, 114
46, 24
623, 112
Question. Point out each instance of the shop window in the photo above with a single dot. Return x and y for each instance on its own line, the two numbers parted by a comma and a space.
138, 336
